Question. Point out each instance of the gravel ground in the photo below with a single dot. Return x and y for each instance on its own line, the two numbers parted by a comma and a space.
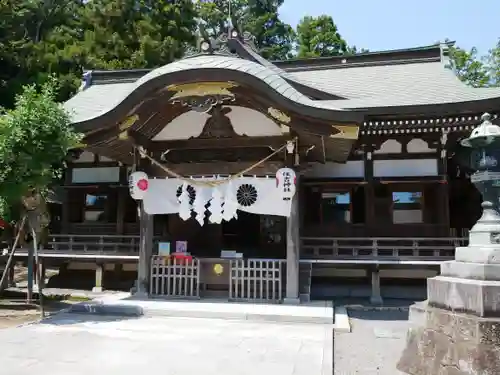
374, 345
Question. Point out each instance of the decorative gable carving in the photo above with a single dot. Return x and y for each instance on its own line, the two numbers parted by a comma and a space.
218, 125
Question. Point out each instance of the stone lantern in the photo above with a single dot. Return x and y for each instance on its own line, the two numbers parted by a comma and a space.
484, 145
457, 329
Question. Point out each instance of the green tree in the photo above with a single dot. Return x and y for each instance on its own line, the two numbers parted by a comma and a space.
492, 65
273, 38
353, 50
34, 36
468, 67
319, 37
215, 14
126, 34
35, 138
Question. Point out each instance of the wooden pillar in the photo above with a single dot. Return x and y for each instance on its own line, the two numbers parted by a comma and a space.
65, 209
369, 188
375, 297
145, 251
445, 207
120, 211
443, 189
292, 253
121, 202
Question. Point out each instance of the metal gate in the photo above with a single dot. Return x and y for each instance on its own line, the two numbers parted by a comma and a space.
171, 277
256, 279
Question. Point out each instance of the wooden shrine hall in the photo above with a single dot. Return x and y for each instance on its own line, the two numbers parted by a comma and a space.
371, 140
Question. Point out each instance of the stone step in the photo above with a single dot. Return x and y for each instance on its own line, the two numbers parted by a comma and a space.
317, 312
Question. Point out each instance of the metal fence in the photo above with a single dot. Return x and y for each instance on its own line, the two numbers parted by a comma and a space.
256, 279
171, 277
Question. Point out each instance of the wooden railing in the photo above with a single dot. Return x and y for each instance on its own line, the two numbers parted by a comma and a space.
382, 248
256, 279
171, 277
102, 228
92, 244
247, 279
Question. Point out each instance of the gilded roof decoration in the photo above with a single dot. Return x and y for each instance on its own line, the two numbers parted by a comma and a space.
202, 96
202, 89
278, 115
346, 131
131, 120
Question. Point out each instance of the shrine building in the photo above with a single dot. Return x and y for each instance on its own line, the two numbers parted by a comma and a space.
268, 180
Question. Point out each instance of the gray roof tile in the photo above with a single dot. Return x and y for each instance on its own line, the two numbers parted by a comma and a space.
99, 99
417, 83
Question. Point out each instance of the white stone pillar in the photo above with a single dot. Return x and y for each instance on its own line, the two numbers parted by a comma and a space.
99, 273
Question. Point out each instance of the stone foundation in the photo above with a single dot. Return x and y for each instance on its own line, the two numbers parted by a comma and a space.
443, 342
477, 297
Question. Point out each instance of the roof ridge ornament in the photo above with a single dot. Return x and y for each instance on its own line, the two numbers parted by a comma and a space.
221, 45
86, 80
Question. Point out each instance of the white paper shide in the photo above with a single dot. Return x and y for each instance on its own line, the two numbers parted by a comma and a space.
213, 200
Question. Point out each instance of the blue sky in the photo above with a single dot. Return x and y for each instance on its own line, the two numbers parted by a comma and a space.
393, 24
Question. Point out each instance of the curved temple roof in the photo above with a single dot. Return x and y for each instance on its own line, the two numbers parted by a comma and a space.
140, 107
107, 101
319, 93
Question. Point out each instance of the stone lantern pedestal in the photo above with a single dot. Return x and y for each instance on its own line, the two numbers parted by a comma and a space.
457, 330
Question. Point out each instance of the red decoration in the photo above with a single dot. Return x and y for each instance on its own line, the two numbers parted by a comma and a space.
182, 258
143, 184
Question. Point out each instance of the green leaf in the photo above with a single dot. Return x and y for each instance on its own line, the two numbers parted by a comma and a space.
35, 138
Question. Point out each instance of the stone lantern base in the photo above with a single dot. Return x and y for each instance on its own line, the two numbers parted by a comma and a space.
443, 342
457, 330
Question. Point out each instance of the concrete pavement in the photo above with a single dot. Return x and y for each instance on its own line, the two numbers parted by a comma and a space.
375, 344
87, 344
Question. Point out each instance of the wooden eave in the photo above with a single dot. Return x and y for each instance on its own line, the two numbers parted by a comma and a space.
436, 110
152, 91
148, 109
423, 124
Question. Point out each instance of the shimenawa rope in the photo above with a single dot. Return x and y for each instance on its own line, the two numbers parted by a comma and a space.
211, 183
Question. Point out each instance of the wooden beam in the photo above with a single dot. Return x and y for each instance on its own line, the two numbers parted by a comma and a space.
219, 168
239, 142
100, 136
139, 139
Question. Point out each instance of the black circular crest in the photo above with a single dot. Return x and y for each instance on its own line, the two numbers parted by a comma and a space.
246, 195
191, 191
